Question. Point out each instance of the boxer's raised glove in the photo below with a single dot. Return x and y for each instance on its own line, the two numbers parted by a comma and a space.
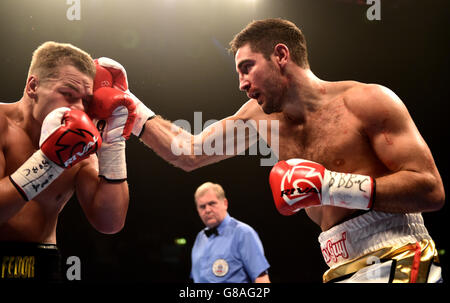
67, 137
298, 184
111, 73
114, 115
110, 103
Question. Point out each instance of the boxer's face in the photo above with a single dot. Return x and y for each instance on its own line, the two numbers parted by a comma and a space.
260, 78
71, 89
211, 209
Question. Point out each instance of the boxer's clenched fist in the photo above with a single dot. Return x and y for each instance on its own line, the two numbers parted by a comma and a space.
67, 137
117, 109
111, 73
113, 108
298, 184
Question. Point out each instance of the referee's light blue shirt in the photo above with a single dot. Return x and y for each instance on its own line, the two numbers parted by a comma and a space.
236, 255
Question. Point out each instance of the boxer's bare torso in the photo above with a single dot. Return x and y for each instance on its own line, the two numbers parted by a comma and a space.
63, 87
350, 127
346, 126
36, 221
332, 135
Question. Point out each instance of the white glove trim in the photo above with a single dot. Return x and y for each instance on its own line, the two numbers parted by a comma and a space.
112, 161
36, 174
347, 190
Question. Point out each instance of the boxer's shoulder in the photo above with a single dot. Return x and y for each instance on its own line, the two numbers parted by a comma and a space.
358, 93
5, 108
9, 112
361, 95
373, 103
4, 121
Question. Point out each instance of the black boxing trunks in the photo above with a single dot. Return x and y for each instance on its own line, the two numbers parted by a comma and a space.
23, 261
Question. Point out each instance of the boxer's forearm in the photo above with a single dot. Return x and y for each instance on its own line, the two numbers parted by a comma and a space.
177, 146
409, 192
159, 134
104, 203
108, 210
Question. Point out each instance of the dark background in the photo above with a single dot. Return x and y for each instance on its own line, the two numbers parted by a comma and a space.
175, 55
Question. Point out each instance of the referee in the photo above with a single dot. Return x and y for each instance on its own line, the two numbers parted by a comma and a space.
227, 250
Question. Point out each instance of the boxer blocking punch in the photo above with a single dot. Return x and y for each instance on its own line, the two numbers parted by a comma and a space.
67, 137
114, 113
47, 154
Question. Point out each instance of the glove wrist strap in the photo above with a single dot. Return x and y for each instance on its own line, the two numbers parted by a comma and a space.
348, 190
36, 174
112, 161
143, 113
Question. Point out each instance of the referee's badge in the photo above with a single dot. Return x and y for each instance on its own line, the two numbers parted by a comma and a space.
220, 267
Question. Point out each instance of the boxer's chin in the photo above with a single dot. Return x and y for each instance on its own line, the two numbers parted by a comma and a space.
268, 106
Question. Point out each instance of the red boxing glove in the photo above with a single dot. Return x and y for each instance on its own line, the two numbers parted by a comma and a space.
67, 137
69, 140
298, 184
110, 74
117, 108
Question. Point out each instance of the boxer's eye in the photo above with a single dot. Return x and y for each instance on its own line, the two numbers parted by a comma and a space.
68, 94
245, 66
88, 99
245, 69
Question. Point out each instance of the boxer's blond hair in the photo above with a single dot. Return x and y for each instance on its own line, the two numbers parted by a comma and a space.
49, 56
263, 35
216, 188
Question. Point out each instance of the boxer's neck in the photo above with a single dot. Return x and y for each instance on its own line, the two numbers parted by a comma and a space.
304, 95
26, 120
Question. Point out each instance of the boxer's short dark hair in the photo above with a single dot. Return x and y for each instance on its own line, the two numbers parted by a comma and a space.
263, 35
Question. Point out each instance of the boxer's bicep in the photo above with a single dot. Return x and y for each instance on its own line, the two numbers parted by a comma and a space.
402, 149
393, 134
413, 183
405, 153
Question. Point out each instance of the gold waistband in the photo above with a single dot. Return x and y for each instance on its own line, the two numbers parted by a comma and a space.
405, 268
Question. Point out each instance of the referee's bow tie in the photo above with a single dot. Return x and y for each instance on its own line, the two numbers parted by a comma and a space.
211, 231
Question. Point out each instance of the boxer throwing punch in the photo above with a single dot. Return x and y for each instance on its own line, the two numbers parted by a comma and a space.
351, 155
47, 153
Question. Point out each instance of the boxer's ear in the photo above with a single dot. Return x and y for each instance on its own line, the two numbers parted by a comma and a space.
281, 54
31, 86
